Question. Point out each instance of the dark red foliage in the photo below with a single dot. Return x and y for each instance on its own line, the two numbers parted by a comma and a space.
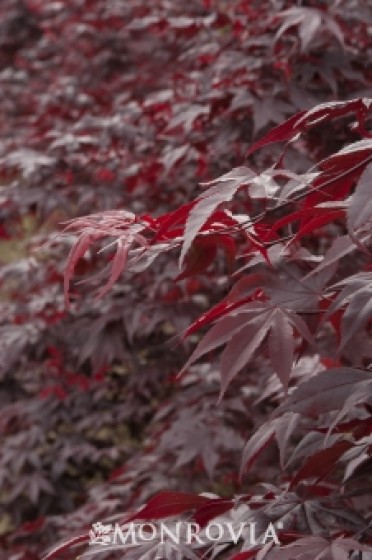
234, 136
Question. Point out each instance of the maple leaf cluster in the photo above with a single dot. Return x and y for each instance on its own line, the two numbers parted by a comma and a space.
196, 345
